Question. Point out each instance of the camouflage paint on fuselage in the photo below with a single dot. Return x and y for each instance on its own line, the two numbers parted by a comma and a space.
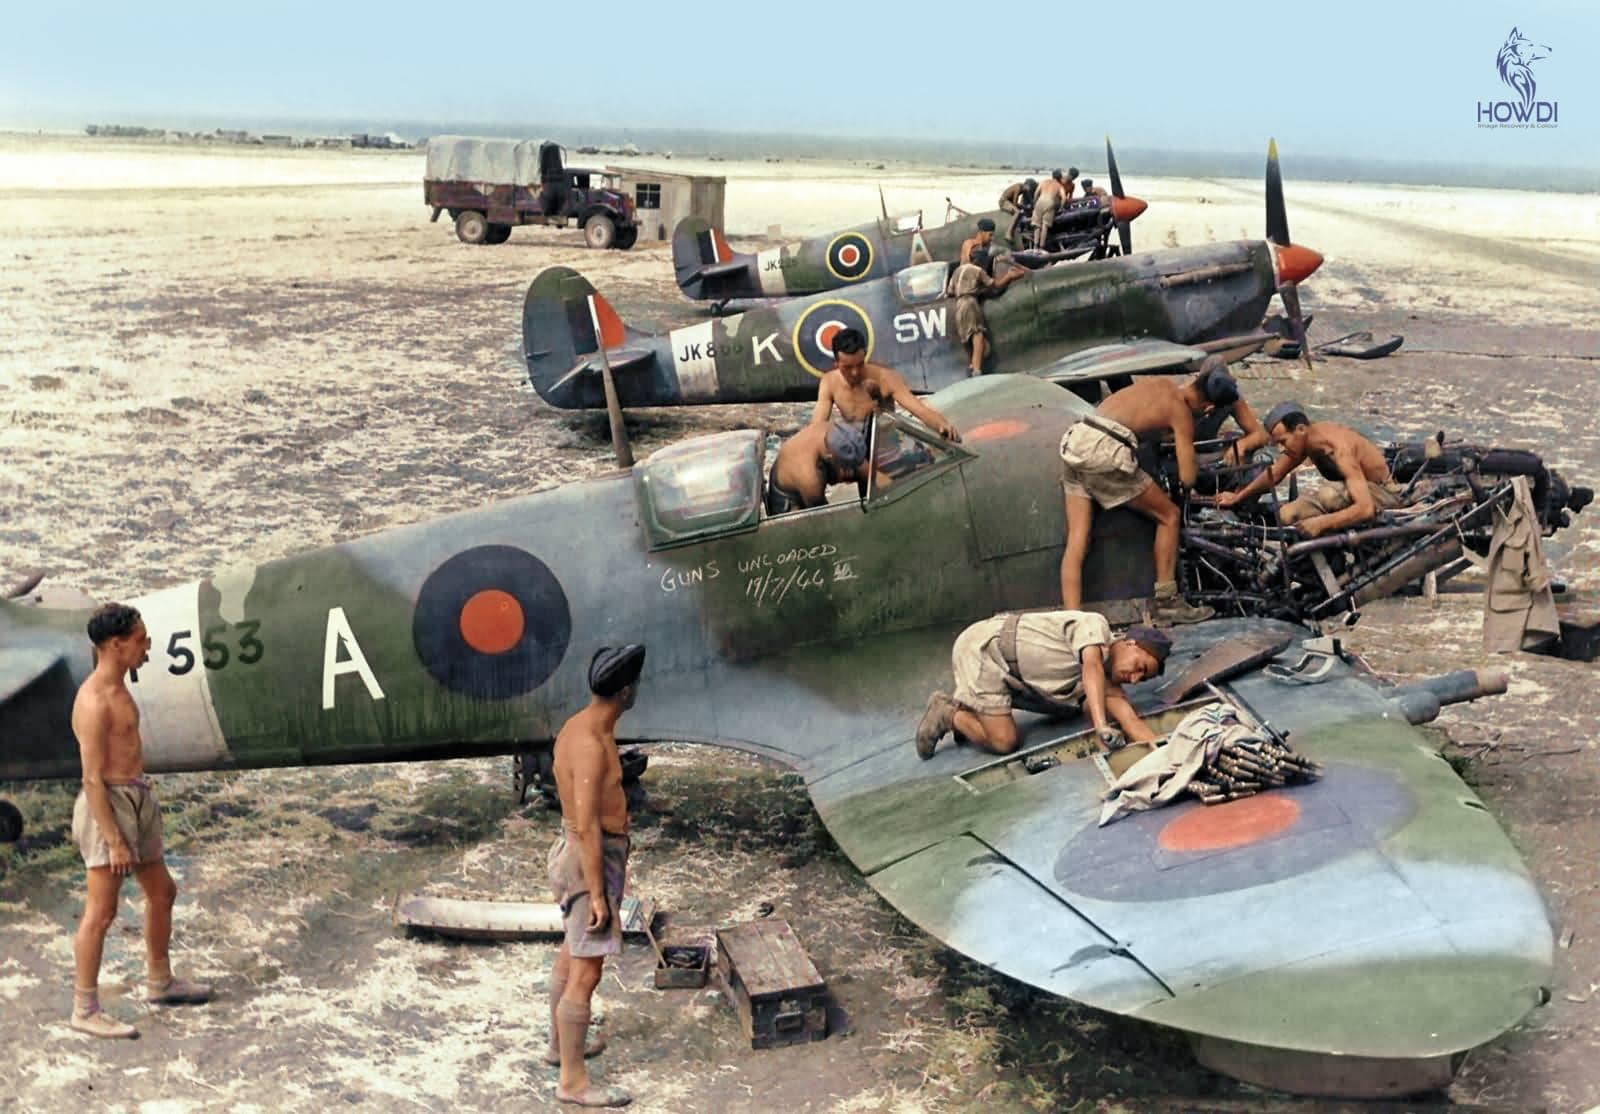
778, 352
707, 269
1378, 913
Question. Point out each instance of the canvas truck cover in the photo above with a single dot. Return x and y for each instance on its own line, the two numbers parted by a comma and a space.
464, 158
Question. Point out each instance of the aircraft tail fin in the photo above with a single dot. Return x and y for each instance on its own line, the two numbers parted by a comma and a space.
569, 332
707, 268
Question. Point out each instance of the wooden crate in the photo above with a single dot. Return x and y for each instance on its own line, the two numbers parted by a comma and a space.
780, 997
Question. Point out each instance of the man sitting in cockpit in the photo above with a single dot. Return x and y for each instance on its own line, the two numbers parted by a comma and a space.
822, 453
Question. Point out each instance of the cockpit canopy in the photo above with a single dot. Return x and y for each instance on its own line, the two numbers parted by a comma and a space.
711, 485
922, 283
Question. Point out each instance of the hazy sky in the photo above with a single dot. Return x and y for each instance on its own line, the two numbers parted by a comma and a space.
1394, 79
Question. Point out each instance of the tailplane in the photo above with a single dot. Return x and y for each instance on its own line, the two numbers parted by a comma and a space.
707, 268
43, 657
569, 333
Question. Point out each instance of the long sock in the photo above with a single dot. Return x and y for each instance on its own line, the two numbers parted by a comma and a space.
85, 1002
1166, 589
572, 1027
557, 987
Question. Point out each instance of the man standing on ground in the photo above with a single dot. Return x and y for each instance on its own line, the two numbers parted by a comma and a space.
588, 867
1357, 484
1064, 660
116, 823
1099, 465
968, 282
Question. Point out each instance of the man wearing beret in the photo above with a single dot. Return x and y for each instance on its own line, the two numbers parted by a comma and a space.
588, 867
1065, 660
982, 238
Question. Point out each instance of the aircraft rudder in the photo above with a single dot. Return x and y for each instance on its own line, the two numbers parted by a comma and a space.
565, 322
702, 260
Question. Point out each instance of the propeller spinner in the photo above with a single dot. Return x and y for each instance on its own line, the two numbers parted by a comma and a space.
1294, 262
1123, 208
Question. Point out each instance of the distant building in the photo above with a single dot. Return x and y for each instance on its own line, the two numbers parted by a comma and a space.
664, 198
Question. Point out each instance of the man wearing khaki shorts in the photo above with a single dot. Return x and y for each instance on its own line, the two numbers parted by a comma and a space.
1356, 479
116, 823
1066, 661
1099, 467
588, 868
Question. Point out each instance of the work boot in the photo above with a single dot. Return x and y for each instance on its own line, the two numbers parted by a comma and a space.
1170, 609
99, 1024
936, 720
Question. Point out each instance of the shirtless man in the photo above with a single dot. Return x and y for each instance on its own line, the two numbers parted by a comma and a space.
1064, 659
1047, 202
1357, 480
1017, 200
588, 858
116, 823
819, 455
1092, 190
1100, 466
982, 238
859, 389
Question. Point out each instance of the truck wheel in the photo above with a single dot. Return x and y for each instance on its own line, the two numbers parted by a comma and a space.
10, 822
498, 234
472, 227
627, 238
600, 232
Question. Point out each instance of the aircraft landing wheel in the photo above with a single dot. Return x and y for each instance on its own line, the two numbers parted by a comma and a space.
10, 822
472, 227
498, 234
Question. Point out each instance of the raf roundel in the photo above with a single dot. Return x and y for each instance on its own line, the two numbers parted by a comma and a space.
492, 622
850, 256
818, 325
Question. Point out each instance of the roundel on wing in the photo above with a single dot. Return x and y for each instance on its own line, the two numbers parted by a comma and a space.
1194, 850
849, 256
818, 325
492, 622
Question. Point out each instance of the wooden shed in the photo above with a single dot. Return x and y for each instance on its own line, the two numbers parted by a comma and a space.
664, 198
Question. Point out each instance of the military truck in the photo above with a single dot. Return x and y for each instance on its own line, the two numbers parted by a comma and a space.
490, 185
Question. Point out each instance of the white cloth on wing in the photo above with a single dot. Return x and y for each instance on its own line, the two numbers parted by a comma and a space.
1518, 607
1160, 776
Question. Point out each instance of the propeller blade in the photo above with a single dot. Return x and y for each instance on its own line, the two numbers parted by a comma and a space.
1290, 293
1124, 227
1277, 214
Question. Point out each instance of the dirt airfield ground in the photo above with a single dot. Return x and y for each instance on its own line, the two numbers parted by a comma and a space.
209, 357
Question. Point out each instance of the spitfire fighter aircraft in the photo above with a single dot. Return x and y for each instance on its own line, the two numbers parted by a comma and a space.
709, 270
1353, 936
1078, 324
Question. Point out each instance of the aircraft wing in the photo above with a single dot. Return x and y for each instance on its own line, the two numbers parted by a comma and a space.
1379, 912
1120, 358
